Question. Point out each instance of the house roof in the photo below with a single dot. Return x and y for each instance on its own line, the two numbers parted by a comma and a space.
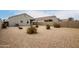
47, 17
20, 15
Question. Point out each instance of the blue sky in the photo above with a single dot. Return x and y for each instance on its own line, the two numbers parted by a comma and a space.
6, 13
40, 13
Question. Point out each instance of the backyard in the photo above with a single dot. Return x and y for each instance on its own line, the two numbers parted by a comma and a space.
12, 37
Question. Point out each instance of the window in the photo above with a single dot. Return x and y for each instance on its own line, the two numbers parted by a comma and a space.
45, 20
21, 21
27, 22
50, 20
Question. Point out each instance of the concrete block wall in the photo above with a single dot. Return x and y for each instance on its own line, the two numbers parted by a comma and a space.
70, 24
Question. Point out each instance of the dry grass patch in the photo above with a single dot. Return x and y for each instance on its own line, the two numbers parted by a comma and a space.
54, 38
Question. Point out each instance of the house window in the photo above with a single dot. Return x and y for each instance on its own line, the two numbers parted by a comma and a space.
45, 20
50, 20
21, 21
27, 22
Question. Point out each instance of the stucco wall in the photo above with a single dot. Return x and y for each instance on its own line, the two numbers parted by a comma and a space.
70, 24
53, 18
44, 23
17, 20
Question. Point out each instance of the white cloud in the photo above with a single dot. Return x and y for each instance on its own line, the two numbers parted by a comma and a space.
34, 13
68, 13
59, 13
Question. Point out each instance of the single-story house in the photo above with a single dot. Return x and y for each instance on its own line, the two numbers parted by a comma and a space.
46, 20
21, 19
24, 19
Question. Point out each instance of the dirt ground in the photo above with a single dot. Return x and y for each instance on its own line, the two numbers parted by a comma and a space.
13, 37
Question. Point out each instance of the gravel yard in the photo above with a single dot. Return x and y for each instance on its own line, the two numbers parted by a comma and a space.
13, 37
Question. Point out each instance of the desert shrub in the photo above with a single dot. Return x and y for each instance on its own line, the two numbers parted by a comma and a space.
56, 25
36, 26
20, 27
31, 30
70, 19
4, 25
47, 26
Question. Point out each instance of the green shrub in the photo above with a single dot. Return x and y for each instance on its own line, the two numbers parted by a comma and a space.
31, 30
56, 25
47, 26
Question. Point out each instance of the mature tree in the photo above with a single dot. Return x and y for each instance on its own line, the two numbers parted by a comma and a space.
70, 19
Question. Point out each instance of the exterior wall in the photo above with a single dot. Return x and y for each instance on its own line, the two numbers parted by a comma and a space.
21, 19
43, 23
70, 24
41, 20
53, 18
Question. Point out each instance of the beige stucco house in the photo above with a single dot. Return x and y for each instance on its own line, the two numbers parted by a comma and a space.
46, 20
21, 19
24, 19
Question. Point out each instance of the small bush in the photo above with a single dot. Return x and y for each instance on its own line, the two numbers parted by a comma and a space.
4, 26
20, 27
31, 30
56, 25
47, 26
36, 26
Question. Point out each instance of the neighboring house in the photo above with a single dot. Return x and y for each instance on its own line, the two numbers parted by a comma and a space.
46, 20
21, 19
